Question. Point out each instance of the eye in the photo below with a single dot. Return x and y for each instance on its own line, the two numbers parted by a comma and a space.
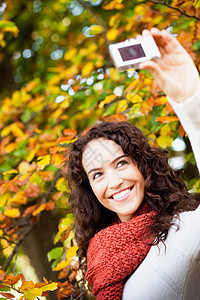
122, 163
96, 175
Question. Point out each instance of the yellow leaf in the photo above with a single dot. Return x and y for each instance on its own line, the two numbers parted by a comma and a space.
164, 141
11, 147
32, 153
61, 265
16, 130
132, 85
112, 34
5, 131
61, 184
3, 199
44, 161
50, 287
121, 106
87, 69
13, 171
114, 20
18, 198
134, 98
72, 252
70, 54
1, 234
12, 213
114, 74
96, 29
196, 4
33, 293
108, 99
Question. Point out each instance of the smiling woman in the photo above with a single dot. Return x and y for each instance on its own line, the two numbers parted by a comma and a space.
129, 203
125, 197
115, 179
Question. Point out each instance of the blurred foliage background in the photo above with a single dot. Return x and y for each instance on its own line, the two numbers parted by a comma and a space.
56, 79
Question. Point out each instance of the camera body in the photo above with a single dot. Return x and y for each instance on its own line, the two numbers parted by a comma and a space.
130, 53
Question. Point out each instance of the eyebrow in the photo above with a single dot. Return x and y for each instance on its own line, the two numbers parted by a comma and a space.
117, 158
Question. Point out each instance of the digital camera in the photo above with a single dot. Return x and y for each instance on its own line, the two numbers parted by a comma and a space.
130, 53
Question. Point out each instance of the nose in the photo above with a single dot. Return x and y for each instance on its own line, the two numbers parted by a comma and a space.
114, 181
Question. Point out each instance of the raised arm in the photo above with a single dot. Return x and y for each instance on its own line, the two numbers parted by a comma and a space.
178, 77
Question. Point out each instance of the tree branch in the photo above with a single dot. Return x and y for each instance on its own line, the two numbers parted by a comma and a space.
25, 233
175, 8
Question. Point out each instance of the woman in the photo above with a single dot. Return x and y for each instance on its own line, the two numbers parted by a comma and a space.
126, 200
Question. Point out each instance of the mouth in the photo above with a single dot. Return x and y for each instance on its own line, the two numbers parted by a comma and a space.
122, 195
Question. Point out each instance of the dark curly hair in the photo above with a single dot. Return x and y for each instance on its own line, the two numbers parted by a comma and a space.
165, 192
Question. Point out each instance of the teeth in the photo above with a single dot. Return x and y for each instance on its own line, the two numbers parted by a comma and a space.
121, 195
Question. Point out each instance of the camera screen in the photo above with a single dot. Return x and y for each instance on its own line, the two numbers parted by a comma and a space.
131, 52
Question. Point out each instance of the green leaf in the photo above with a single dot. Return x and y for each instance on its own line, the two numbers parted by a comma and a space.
55, 253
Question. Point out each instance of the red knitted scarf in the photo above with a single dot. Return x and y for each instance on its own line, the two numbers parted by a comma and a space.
116, 252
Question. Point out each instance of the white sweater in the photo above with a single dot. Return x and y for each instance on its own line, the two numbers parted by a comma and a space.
174, 272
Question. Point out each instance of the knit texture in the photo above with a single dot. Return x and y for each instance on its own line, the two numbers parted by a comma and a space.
116, 251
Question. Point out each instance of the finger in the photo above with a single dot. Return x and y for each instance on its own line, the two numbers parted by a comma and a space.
146, 32
152, 67
165, 40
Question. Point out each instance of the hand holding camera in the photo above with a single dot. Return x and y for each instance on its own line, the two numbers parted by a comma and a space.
173, 69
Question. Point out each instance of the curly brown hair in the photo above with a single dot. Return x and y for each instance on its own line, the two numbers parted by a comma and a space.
165, 192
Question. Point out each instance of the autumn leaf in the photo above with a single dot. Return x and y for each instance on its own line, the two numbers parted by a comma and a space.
96, 29
112, 34
29, 210
7, 295
69, 131
43, 161
61, 184
121, 106
33, 293
12, 213
107, 100
50, 287
2, 275
13, 171
11, 280
27, 285
167, 119
39, 209
87, 69
57, 160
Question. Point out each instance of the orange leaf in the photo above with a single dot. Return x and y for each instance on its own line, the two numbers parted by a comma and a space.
69, 131
39, 209
132, 85
27, 285
166, 119
29, 210
181, 131
57, 160
11, 280
46, 175
32, 190
7, 295
2, 275
50, 205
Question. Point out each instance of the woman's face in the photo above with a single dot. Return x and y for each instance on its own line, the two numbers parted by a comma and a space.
114, 178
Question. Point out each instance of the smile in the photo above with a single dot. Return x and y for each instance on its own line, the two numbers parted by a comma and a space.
121, 195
